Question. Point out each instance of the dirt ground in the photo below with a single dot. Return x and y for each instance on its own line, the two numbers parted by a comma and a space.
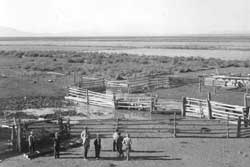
158, 152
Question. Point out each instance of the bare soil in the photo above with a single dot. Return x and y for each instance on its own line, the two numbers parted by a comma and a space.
158, 152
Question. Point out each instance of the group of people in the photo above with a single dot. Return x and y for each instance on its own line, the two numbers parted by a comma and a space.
118, 142
56, 144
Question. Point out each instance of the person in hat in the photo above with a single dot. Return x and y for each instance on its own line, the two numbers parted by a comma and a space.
31, 141
97, 144
56, 146
119, 145
85, 141
115, 137
127, 143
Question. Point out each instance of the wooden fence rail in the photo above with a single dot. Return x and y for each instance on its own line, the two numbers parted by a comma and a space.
163, 128
89, 97
210, 109
139, 84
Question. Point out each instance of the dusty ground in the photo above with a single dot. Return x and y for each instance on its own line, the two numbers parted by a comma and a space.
153, 152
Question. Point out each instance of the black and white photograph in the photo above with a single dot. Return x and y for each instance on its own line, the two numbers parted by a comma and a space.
124, 83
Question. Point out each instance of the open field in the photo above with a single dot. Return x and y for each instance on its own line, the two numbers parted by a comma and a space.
225, 47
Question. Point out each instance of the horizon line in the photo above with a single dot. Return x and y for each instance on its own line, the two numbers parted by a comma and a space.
132, 36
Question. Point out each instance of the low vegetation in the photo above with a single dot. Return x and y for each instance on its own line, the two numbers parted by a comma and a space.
111, 65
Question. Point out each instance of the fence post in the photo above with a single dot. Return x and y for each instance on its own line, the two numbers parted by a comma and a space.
74, 75
114, 99
151, 104
60, 124
117, 124
214, 86
183, 111
19, 136
13, 138
246, 111
103, 82
238, 127
87, 96
209, 106
68, 127
174, 124
227, 125
200, 85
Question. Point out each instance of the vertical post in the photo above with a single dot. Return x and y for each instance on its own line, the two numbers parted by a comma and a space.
200, 85
117, 124
183, 111
174, 124
87, 96
151, 104
60, 124
114, 100
74, 78
115, 106
19, 136
104, 85
245, 111
238, 127
209, 96
68, 127
245, 99
214, 86
209, 108
227, 125
13, 138
128, 89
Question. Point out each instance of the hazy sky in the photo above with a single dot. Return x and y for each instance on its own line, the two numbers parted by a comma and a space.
127, 17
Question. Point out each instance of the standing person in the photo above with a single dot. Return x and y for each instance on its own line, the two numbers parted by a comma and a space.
31, 141
56, 146
119, 145
97, 144
127, 143
115, 137
86, 142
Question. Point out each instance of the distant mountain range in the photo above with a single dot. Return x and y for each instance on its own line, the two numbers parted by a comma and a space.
12, 32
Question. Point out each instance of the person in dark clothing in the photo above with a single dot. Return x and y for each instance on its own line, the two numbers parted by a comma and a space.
119, 145
97, 143
31, 141
56, 146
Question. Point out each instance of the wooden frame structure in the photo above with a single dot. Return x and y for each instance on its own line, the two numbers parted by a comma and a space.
211, 109
139, 84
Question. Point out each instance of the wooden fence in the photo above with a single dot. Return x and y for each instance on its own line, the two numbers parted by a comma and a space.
158, 128
174, 126
195, 107
139, 84
211, 109
243, 127
204, 128
146, 102
77, 94
124, 101
43, 130
138, 102
227, 81
92, 83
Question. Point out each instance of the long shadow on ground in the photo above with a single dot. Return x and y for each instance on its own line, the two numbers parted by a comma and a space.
9, 154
